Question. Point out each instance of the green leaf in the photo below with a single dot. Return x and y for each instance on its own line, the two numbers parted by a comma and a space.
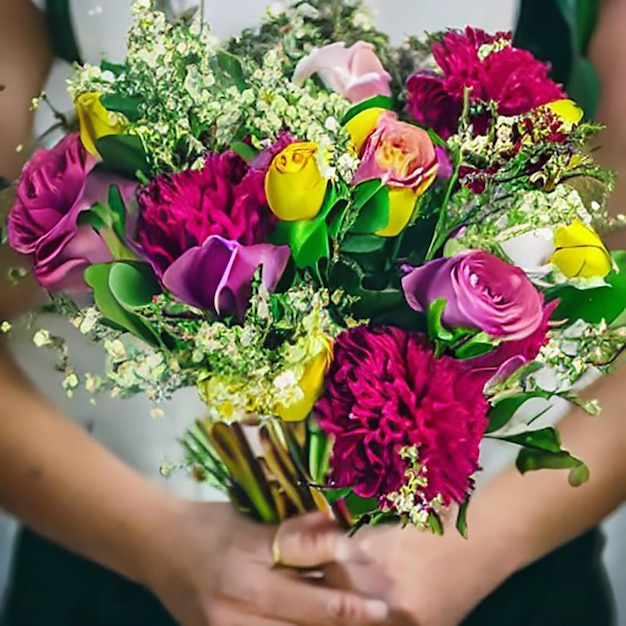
123, 154
530, 460
504, 410
594, 305
98, 217
118, 212
244, 150
435, 525
545, 439
307, 239
461, 518
478, 345
228, 70
98, 277
359, 244
117, 69
133, 285
373, 213
436, 329
541, 449
127, 106
380, 102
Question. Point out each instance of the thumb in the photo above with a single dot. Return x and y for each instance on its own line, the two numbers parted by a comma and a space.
311, 541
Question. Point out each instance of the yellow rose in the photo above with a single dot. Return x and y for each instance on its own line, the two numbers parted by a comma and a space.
312, 385
401, 206
95, 121
580, 253
294, 186
362, 125
567, 111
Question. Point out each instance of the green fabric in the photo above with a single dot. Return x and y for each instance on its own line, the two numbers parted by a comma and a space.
559, 32
61, 30
53, 587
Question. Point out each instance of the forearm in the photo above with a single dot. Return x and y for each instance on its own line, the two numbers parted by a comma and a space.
608, 54
25, 60
66, 486
517, 519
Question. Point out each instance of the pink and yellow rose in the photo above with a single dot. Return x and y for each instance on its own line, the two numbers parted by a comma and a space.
403, 157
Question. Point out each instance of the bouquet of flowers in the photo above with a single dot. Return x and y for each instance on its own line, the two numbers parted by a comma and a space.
365, 259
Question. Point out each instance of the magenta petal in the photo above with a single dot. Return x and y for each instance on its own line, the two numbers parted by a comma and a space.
60, 263
194, 277
423, 285
217, 276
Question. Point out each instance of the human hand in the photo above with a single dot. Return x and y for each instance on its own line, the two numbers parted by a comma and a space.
426, 580
217, 568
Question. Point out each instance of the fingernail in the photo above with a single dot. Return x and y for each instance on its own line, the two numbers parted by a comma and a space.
377, 610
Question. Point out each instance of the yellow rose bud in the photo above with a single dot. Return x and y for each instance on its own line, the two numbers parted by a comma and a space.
362, 125
401, 206
294, 186
95, 121
567, 111
312, 385
580, 253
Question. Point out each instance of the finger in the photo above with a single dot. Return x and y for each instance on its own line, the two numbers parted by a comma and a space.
226, 613
296, 601
310, 541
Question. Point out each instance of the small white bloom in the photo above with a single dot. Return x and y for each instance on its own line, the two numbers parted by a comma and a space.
42, 338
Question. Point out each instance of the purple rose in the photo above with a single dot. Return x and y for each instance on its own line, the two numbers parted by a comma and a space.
481, 292
217, 276
55, 186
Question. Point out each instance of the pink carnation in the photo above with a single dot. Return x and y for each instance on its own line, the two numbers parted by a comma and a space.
385, 391
226, 198
509, 77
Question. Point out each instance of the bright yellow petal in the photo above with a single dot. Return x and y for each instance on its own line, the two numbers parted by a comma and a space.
575, 235
312, 385
580, 253
566, 110
94, 120
401, 206
294, 186
362, 125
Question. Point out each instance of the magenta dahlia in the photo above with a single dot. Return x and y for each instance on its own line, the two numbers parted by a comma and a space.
180, 211
494, 71
386, 391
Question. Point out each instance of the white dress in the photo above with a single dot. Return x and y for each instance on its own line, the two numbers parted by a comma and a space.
126, 427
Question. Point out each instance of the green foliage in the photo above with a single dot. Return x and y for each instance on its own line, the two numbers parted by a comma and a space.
123, 154
594, 305
120, 289
541, 449
127, 106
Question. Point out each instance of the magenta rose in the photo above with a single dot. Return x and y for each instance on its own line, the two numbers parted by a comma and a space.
385, 391
56, 185
511, 78
181, 211
481, 292
510, 356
